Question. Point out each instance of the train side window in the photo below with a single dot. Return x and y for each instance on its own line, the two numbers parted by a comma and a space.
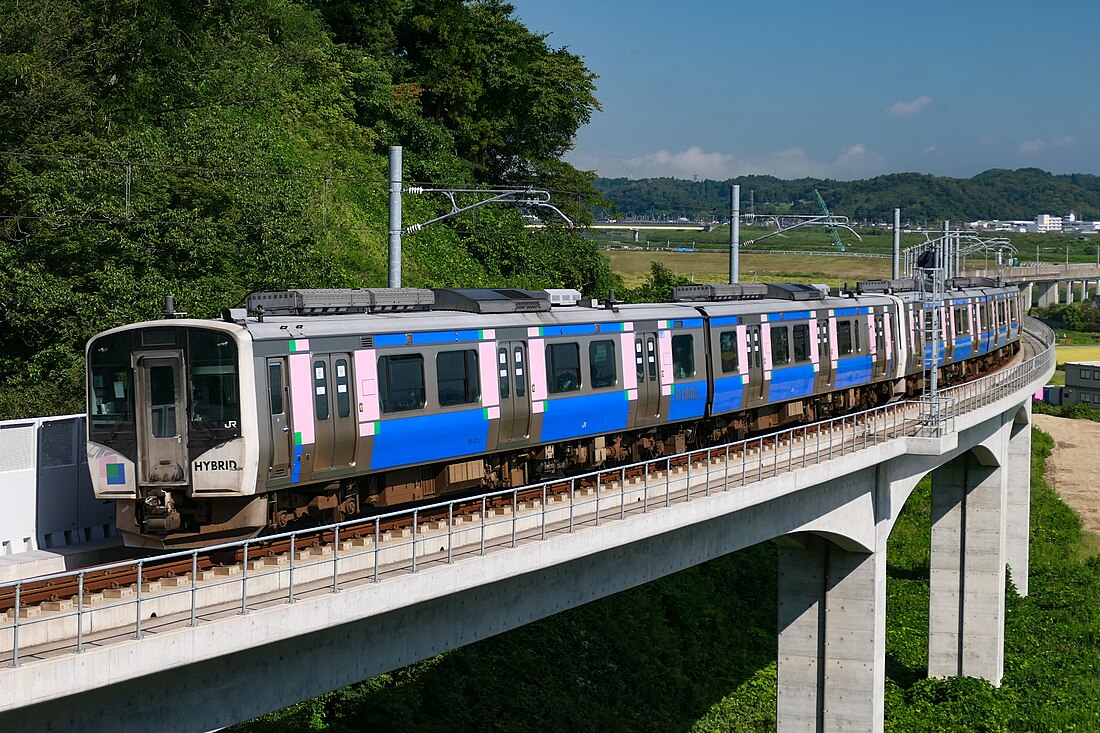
401, 382
563, 363
683, 356
601, 364
456, 372
651, 357
844, 344
502, 373
275, 387
343, 395
521, 379
727, 342
320, 390
781, 345
801, 340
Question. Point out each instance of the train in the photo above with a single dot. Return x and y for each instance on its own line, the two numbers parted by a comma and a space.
313, 406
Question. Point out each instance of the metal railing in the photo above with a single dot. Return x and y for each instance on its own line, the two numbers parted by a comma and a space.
443, 532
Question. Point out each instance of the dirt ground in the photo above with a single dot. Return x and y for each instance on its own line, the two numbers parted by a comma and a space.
1074, 473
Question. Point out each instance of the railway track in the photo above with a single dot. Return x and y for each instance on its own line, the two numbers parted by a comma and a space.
99, 579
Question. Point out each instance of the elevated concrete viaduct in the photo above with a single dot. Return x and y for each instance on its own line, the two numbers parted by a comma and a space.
830, 510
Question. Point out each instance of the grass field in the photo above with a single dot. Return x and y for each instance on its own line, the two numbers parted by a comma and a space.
713, 267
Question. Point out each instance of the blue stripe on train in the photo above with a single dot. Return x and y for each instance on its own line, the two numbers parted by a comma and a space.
791, 382
404, 440
729, 393
571, 417
689, 399
854, 370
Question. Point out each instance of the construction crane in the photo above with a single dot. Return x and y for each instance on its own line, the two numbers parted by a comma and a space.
832, 230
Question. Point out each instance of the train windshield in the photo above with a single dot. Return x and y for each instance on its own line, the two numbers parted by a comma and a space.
111, 377
212, 361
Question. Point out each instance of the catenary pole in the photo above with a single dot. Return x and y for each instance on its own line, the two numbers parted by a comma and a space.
895, 263
735, 233
395, 217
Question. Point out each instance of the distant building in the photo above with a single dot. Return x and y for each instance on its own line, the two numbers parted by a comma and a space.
1042, 224
1046, 223
1082, 384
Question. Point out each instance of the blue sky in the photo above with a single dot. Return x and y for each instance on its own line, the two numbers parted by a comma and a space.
846, 90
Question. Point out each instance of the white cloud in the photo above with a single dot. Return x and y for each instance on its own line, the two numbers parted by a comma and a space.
691, 162
929, 150
908, 109
853, 162
1038, 145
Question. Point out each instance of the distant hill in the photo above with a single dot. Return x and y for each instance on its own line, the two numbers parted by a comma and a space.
994, 194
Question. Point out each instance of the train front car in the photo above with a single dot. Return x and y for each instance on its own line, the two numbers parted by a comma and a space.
172, 432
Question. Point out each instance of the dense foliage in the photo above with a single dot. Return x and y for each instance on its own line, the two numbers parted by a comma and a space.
206, 150
696, 651
923, 199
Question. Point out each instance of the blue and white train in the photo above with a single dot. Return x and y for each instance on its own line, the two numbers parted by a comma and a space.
316, 405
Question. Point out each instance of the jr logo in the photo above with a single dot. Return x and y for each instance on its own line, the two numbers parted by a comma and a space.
216, 466
230, 424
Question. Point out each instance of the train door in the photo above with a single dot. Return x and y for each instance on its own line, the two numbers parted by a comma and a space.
515, 398
161, 422
647, 364
278, 399
757, 389
881, 356
335, 421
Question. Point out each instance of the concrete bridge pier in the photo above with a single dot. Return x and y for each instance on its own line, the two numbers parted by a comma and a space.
832, 636
1029, 296
967, 569
1018, 521
1069, 292
1048, 294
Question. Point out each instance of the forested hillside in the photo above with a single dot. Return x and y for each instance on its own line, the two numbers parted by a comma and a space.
205, 150
923, 199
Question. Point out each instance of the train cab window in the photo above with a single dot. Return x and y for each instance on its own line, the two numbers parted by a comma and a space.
781, 345
212, 357
601, 364
343, 393
683, 356
456, 372
563, 364
320, 389
845, 346
801, 341
727, 342
111, 377
401, 382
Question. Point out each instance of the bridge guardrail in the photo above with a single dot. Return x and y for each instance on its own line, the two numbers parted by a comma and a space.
505, 519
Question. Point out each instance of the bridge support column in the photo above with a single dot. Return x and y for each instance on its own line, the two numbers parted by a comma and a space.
1069, 292
1048, 294
832, 637
1018, 519
967, 570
